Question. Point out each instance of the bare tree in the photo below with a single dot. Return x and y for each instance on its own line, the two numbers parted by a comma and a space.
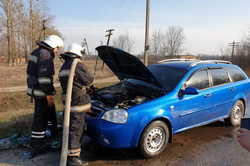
124, 42
7, 7
156, 42
174, 41
16, 20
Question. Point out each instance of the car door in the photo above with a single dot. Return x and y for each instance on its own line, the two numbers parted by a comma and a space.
194, 109
223, 92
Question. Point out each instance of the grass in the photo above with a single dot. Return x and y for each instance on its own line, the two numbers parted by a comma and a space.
16, 75
16, 111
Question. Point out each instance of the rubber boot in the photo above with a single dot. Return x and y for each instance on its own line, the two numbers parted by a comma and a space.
36, 150
76, 161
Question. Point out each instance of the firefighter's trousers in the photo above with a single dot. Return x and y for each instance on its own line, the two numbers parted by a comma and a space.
44, 118
76, 128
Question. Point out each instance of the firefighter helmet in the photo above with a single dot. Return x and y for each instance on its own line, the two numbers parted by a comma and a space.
54, 41
75, 49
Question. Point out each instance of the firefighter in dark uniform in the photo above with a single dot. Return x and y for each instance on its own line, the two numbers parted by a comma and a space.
40, 73
80, 101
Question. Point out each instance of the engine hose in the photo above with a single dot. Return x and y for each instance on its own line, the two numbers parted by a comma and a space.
64, 151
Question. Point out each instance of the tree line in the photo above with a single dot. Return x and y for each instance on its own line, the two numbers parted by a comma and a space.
168, 43
22, 23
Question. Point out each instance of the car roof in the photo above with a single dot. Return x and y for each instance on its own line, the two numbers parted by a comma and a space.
187, 65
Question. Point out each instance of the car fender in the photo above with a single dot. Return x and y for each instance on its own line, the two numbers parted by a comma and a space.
146, 120
240, 96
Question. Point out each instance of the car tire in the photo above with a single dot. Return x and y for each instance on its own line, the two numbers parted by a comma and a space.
236, 114
154, 139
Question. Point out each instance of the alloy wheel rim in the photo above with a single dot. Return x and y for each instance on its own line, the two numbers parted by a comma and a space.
155, 139
237, 113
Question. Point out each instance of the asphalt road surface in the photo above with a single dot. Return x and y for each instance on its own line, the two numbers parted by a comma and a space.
211, 145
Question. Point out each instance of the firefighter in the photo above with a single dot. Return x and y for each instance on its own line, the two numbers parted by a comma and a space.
80, 101
40, 71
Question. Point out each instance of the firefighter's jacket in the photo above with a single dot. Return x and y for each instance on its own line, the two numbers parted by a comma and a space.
40, 72
80, 100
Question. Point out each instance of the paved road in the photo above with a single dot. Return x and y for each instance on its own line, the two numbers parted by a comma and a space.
211, 145
23, 88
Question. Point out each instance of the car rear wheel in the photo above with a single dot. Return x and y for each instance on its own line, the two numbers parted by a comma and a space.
236, 114
154, 139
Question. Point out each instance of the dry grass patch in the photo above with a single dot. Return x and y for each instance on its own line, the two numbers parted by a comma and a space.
16, 111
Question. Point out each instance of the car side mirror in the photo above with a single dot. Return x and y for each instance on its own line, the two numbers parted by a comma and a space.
188, 91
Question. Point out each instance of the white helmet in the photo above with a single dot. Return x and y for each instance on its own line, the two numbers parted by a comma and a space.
54, 41
75, 49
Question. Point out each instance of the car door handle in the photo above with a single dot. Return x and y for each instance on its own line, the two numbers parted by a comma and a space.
208, 95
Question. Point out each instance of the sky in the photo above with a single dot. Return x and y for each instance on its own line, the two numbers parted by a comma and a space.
209, 25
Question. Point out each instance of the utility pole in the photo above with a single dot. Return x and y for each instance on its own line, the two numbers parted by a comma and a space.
146, 47
44, 29
109, 31
233, 45
85, 44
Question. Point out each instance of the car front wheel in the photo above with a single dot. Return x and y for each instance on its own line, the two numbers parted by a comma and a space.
154, 139
236, 114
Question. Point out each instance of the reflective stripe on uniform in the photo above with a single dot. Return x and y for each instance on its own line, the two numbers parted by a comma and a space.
35, 136
44, 80
74, 152
80, 108
38, 133
64, 73
39, 93
36, 92
50, 123
32, 58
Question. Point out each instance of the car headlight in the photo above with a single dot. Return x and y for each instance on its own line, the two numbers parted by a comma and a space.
116, 116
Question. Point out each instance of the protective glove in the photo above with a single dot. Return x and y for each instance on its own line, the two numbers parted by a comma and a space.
50, 100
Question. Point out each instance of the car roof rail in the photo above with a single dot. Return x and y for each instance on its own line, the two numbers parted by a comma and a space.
211, 61
176, 60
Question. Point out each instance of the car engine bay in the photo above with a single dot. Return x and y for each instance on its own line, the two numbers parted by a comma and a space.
123, 95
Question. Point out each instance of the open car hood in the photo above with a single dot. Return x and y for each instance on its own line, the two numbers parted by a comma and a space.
124, 65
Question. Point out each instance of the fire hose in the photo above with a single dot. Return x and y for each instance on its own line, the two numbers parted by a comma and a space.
64, 151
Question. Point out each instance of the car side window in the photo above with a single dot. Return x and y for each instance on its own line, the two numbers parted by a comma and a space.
199, 80
235, 74
219, 76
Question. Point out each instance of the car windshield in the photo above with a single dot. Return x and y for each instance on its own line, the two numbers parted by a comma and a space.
167, 76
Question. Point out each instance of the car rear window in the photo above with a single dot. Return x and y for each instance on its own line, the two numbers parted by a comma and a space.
219, 76
199, 80
235, 74
167, 76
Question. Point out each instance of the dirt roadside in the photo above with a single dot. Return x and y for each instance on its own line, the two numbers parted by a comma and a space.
211, 145
23, 88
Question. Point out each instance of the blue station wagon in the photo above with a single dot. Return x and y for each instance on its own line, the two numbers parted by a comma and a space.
151, 104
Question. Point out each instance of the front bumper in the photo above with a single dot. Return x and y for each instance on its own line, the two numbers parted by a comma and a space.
110, 134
